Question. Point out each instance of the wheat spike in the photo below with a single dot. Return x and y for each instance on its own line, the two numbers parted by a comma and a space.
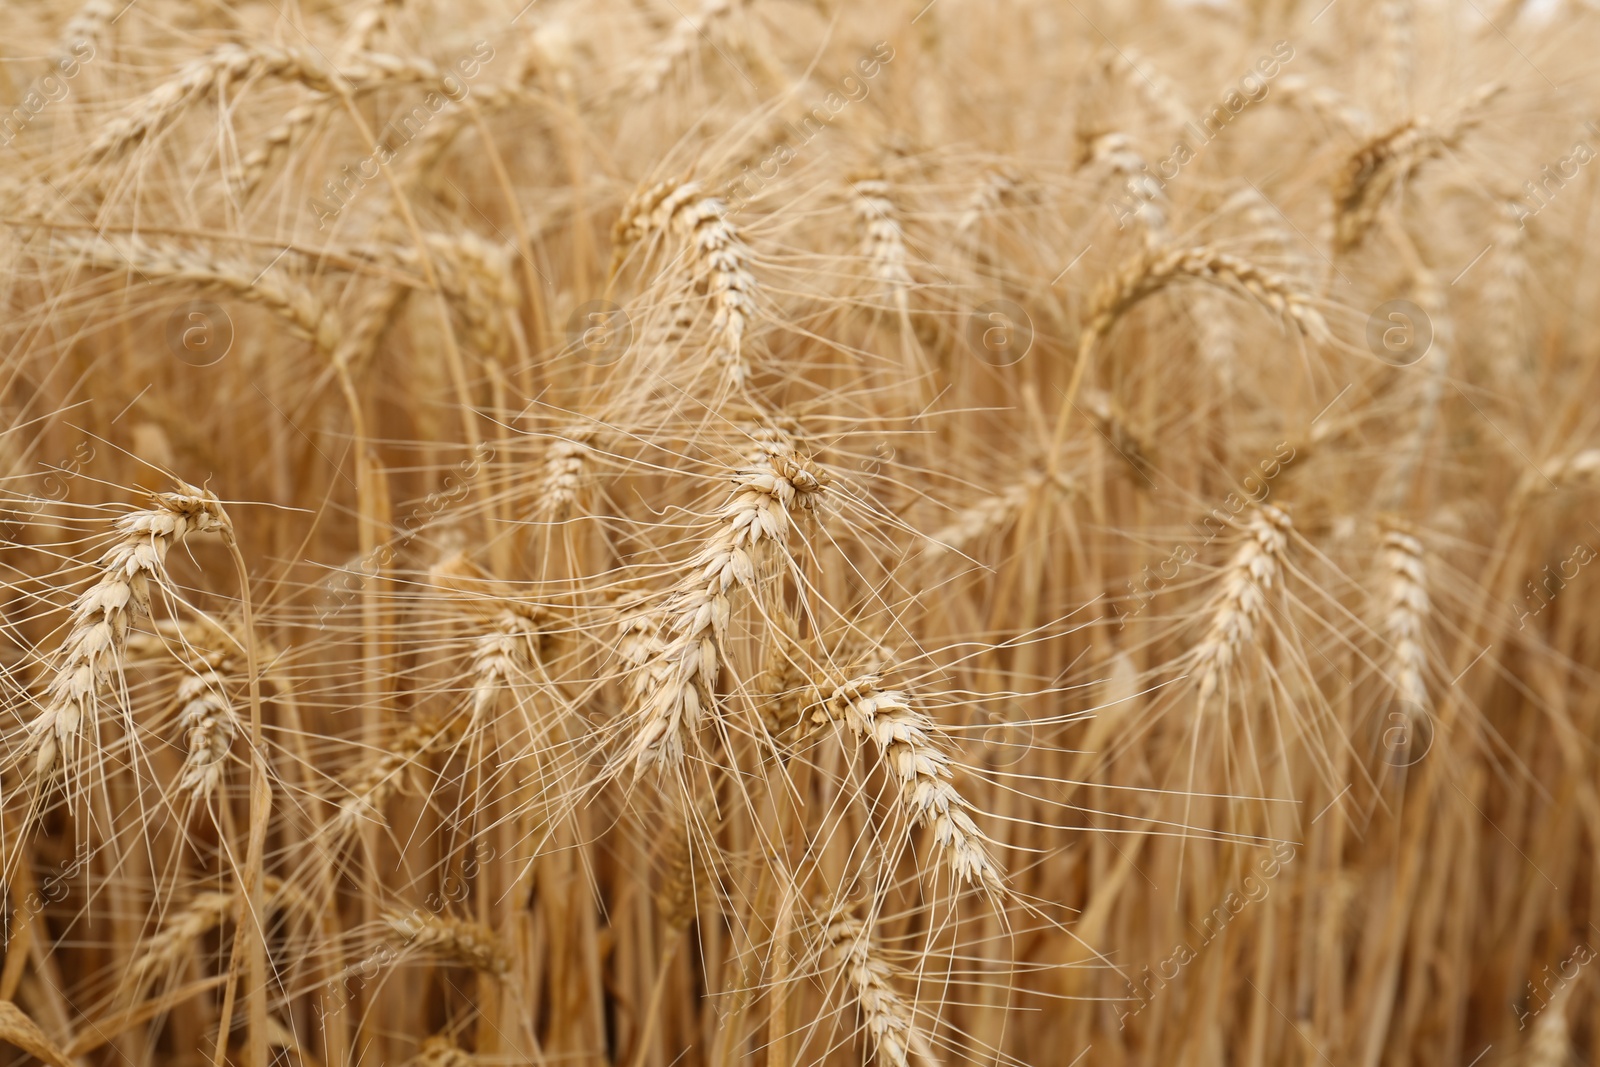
991, 513
1154, 271
883, 241
718, 260
503, 658
210, 725
1114, 153
230, 64
204, 912
438, 1050
299, 306
679, 678
1406, 616
904, 738
92, 652
370, 785
1375, 167
18, 1028
887, 1017
1236, 610
686, 35
457, 941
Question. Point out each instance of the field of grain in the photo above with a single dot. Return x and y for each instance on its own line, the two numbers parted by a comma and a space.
691, 533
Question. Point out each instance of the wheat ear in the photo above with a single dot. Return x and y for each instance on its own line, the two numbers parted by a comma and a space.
92, 652
438, 1050
883, 242
718, 260
503, 657
678, 680
203, 913
370, 785
87, 26
231, 64
299, 306
688, 30
1381, 161
1154, 271
566, 466
209, 724
887, 1017
1159, 92
1256, 565
1326, 102
905, 741
998, 188
1115, 155
973, 523
453, 940
1406, 616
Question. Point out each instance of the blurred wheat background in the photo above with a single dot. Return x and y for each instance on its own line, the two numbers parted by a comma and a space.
665, 533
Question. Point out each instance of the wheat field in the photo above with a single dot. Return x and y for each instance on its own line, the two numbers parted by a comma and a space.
684, 533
